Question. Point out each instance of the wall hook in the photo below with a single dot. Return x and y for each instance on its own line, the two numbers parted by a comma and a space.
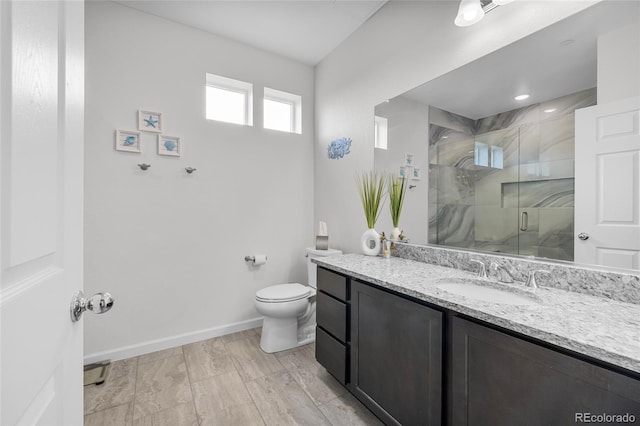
144, 166
412, 186
190, 169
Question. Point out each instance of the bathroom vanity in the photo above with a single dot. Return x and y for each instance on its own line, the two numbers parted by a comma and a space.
416, 352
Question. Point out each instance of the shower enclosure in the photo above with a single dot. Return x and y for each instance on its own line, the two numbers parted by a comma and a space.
505, 183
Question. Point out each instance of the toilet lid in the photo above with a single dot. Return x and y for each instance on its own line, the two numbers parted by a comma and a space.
283, 293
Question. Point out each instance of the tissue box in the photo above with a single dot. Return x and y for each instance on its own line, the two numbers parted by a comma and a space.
322, 242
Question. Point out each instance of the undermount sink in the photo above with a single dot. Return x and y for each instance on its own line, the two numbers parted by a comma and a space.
487, 291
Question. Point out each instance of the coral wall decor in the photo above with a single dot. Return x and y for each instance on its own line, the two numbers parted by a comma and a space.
339, 148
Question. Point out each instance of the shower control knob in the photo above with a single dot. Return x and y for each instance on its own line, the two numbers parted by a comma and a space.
99, 303
583, 236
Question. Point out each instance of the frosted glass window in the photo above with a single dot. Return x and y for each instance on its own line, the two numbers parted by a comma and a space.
481, 154
229, 100
496, 157
381, 126
278, 115
282, 111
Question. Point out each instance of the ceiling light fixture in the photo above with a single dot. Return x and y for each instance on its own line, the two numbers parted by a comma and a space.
522, 97
550, 110
472, 11
469, 12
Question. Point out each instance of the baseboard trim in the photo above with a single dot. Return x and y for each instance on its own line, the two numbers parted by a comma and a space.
171, 342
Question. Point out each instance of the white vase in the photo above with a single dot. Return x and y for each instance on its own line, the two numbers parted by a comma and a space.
395, 234
370, 242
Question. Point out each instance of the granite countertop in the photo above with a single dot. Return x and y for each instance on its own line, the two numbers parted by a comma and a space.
598, 327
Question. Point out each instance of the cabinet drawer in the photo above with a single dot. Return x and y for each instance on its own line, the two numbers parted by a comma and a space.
332, 283
331, 314
332, 355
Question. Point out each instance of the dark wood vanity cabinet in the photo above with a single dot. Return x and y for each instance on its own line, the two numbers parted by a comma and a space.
396, 356
385, 348
331, 319
497, 379
411, 364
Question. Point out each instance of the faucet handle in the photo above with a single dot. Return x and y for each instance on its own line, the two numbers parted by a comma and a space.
482, 270
531, 282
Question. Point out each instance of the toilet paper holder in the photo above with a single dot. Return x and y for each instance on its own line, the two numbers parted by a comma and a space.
250, 258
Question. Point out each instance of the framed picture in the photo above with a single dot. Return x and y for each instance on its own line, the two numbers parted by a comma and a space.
415, 175
404, 172
127, 141
149, 121
169, 145
407, 160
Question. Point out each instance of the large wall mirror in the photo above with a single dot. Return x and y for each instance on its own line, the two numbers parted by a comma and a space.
490, 172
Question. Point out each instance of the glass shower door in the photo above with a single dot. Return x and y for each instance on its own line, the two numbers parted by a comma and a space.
496, 161
508, 191
546, 189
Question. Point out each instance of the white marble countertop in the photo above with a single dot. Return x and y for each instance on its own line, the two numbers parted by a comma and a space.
598, 327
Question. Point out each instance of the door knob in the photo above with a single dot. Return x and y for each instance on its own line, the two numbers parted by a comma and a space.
583, 236
99, 303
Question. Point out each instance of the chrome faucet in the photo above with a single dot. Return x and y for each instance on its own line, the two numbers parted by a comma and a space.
531, 282
482, 270
501, 272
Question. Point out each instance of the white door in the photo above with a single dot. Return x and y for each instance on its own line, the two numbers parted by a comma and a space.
41, 211
607, 211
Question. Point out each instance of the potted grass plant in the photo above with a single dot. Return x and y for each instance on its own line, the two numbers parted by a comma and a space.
396, 188
371, 190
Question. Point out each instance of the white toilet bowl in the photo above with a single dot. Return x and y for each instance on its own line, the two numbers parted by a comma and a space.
289, 310
281, 305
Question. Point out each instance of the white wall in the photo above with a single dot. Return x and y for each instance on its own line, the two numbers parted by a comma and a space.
170, 246
408, 132
402, 46
619, 64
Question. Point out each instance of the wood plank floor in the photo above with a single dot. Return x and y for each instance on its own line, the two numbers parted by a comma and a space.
223, 381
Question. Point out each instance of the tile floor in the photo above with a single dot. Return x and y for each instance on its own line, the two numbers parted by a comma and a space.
223, 381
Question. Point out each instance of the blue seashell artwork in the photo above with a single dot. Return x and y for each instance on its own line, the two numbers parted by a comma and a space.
170, 145
339, 148
130, 140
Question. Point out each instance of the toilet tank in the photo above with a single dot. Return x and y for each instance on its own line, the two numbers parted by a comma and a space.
312, 267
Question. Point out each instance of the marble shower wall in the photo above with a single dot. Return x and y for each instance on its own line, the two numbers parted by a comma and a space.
479, 205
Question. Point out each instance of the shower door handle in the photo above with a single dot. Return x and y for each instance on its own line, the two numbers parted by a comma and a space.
524, 221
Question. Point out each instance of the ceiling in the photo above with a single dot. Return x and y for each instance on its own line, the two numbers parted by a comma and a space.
556, 61
303, 30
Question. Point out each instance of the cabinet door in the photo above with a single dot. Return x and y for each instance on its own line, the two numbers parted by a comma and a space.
498, 379
396, 356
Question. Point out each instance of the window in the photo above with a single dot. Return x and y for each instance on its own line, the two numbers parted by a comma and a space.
282, 111
497, 157
380, 132
229, 100
481, 155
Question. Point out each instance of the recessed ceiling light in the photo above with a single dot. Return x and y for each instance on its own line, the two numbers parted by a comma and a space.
522, 97
550, 110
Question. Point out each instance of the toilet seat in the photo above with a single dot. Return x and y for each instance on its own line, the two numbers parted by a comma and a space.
283, 293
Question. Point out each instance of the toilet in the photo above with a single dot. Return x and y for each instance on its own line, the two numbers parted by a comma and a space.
289, 310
